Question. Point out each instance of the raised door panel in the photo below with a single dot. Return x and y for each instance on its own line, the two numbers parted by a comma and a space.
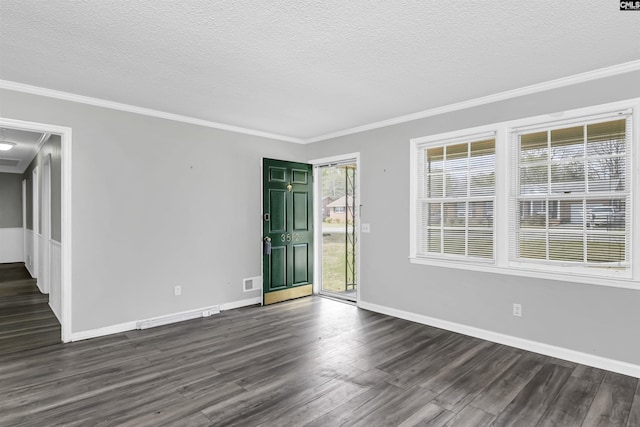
301, 264
299, 176
278, 268
277, 174
300, 211
278, 211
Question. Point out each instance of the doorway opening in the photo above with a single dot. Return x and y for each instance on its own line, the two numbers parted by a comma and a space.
337, 219
45, 232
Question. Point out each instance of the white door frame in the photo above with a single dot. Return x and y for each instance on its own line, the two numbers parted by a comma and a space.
24, 221
66, 252
35, 225
317, 218
45, 273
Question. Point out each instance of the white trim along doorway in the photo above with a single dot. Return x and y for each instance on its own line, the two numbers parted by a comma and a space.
65, 244
45, 230
337, 227
35, 224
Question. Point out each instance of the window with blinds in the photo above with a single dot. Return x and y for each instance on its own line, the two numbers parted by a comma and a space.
571, 195
456, 198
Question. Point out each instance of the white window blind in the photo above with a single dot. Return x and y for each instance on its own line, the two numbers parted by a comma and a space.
571, 197
455, 198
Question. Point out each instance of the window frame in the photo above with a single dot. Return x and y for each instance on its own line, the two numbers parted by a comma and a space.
469, 140
505, 168
584, 196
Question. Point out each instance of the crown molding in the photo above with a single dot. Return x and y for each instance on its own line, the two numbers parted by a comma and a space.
41, 141
50, 93
501, 96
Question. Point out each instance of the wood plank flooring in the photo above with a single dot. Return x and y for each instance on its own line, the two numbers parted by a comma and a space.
26, 321
309, 362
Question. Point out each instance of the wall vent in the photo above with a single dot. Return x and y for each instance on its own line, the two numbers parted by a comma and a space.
252, 284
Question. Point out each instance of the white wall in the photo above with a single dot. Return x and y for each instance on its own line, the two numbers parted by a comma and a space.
11, 244
156, 204
55, 291
148, 216
28, 251
596, 320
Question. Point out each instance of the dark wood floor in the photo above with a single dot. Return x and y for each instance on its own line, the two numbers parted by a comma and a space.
26, 321
314, 362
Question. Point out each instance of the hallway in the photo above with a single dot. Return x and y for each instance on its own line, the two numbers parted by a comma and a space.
26, 321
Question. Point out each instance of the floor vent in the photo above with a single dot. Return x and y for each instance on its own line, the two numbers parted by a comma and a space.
252, 284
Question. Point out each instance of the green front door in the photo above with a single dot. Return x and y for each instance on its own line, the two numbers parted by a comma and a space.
287, 270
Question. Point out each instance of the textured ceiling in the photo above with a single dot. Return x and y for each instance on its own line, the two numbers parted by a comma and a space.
305, 68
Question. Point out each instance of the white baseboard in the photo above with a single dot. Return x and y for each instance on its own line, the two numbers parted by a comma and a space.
524, 344
242, 303
38, 258
162, 320
55, 278
100, 332
178, 317
29, 270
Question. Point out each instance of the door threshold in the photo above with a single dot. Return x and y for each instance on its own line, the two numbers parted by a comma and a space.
287, 294
338, 298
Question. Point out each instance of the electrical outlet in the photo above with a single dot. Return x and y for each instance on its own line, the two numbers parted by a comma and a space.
517, 310
177, 291
366, 228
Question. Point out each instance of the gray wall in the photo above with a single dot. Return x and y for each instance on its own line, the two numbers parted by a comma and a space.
51, 147
10, 200
148, 216
156, 204
593, 319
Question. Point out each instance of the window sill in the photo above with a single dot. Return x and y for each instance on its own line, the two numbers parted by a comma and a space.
533, 271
